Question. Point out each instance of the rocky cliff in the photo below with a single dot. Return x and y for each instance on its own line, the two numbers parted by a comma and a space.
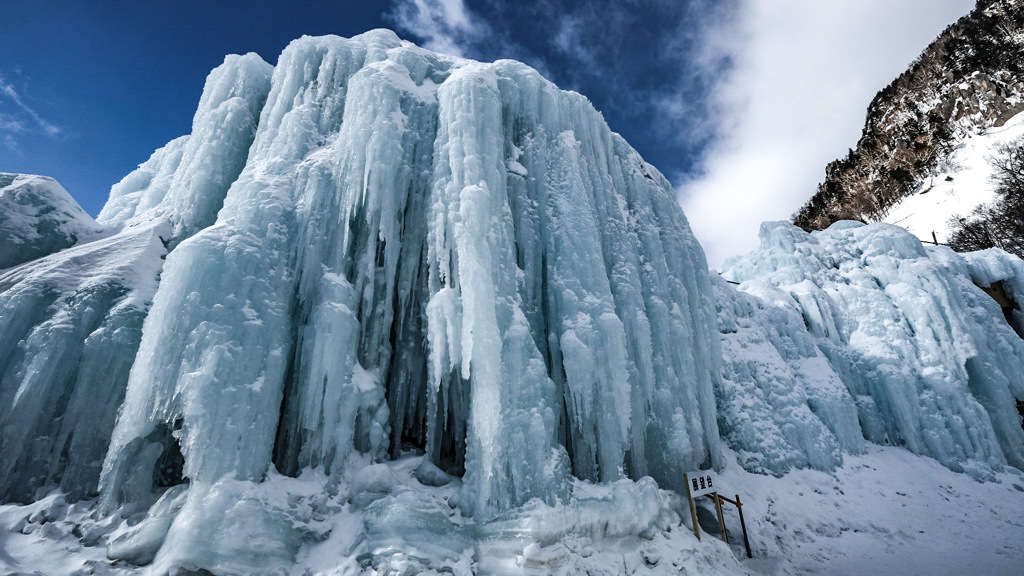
969, 79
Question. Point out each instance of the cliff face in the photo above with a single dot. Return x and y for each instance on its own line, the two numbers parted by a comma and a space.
969, 79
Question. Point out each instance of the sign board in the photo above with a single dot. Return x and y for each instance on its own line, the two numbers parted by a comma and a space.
701, 483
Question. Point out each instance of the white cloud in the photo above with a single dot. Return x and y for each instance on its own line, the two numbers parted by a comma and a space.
804, 72
17, 117
569, 40
446, 26
12, 95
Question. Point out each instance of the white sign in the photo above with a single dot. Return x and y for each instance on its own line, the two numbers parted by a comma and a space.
701, 483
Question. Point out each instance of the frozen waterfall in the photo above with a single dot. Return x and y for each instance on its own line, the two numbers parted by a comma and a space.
398, 303
418, 254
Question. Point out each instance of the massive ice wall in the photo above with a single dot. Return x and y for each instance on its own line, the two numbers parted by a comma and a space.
418, 253
925, 355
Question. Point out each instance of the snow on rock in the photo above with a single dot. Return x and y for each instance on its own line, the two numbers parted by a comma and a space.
925, 355
38, 217
963, 181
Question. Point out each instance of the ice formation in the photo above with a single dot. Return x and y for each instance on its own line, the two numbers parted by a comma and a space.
374, 250
70, 324
185, 182
781, 404
379, 295
926, 357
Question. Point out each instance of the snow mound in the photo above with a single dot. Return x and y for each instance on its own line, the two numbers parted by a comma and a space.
38, 217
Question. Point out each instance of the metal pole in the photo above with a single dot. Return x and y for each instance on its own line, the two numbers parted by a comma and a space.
743, 525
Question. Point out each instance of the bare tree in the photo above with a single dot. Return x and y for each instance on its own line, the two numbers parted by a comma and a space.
1001, 223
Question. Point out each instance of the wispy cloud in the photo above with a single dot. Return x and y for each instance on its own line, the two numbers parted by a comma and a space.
570, 40
802, 75
445, 26
18, 118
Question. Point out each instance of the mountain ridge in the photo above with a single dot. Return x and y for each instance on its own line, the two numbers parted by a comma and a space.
969, 79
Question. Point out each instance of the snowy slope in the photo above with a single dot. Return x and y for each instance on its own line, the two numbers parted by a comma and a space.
38, 217
963, 182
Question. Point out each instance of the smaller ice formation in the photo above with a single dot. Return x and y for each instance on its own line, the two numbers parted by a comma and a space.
185, 181
70, 324
781, 405
996, 269
925, 355
38, 217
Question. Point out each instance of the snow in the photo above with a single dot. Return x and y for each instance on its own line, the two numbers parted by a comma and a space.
38, 217
883, 512
963, 181
388, 311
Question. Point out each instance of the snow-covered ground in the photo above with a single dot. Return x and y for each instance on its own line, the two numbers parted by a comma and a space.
886, 512
963, 183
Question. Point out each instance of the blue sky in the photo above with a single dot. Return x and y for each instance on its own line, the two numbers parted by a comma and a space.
739, 102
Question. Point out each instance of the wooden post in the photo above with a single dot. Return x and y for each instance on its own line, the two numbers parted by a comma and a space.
935, 239
693, 508
721, 518
743, 525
